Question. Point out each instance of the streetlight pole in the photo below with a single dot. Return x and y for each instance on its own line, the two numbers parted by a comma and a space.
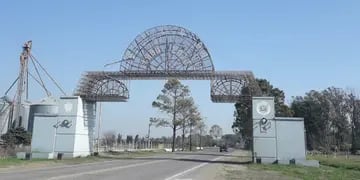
152, 121
148, 136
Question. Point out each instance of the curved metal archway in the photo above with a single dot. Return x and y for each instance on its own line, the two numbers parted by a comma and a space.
167, 48
104, 89
111, 88
224, 90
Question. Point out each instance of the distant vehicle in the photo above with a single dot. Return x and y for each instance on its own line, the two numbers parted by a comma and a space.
223, 148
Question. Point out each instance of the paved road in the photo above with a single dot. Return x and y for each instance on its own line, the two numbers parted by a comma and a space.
163, 167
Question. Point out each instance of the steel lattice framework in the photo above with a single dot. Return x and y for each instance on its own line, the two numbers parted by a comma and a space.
167, 48
165, 52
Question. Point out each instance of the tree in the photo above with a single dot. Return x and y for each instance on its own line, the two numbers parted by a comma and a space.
326, 118
338, 116
189, 117
243, 110
354, 104
243, 124
231, 139
136, 141
119, 139
195, 118
215, 131
168, 102
310, 108
281, 110
16, 136
110, 138
201, 128
185, 107
129, 139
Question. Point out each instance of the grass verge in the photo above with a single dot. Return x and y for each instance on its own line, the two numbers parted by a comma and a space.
14, 162
330, 168
307, 173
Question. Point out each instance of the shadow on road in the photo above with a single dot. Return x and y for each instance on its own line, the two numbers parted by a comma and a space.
211, 154
246, 160
215, 162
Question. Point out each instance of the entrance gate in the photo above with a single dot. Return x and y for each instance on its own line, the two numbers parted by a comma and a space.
159, 53
164, 52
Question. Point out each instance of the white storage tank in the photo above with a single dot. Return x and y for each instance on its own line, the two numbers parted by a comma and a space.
24, 115
48, 106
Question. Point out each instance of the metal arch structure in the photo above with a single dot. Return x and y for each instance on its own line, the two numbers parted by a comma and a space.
103, 88
223, 90
167, 48
165, 52
234, 88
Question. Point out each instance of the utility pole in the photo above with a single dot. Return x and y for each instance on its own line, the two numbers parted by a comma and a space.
150, 124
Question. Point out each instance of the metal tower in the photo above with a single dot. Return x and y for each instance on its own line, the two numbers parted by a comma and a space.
22, 92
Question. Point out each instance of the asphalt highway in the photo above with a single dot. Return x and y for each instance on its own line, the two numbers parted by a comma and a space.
161, 167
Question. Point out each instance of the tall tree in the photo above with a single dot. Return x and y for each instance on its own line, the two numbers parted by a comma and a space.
243, 124
327, 118
129, 139
119, 138
110, 138
281, 110
312, 108
243, 110
354, 104
338, 115
201, 128
168, 102
186, 106
195, 118
136, 140
215, 131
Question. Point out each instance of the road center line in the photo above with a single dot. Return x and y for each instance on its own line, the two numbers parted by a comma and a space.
191, 169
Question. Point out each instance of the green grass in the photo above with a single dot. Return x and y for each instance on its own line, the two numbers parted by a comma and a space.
307, 173
352, 162
12, 161
330, 168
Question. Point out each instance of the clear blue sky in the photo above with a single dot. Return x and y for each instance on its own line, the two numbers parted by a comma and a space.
297, 45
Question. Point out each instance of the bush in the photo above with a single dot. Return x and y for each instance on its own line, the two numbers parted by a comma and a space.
15, 137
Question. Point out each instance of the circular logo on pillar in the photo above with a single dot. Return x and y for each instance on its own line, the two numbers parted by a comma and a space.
68, 107
263, 108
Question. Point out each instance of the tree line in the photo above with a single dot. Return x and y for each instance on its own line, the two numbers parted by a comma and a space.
214, 137
331, 117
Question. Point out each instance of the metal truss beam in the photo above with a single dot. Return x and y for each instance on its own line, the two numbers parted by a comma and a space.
226, 86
